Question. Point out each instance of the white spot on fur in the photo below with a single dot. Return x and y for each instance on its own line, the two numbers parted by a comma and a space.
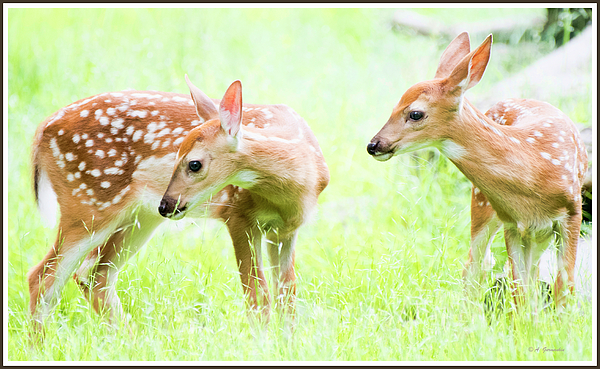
137, 135
95, 173
76, 138
70, 157
555, 162
138, 113
267, 113
112, 152
117, 123
178, 141
537, 134
149, 138
84, 113
81, 165
545, 155
514, 140
165, 131
113, 171
89, 143
61, 132
556, 145
180, 99
105, 184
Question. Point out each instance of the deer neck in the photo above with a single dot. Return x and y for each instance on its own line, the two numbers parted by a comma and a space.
265, 170
489, 155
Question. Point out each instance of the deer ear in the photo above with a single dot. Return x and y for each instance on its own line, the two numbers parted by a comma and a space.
230, 109
470, 70
454, 53
205, 108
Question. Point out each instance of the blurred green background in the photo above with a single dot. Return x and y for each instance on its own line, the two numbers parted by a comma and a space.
379, 266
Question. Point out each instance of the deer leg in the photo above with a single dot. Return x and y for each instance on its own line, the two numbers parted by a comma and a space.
282, 251
566, 257
98, 274
49, 276
484, 226
247, 239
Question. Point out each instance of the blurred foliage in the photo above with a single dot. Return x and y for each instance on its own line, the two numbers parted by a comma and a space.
552, 31
562, 24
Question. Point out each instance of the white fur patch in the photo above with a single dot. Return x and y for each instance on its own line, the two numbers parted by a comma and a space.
245, 179
452, 150
47, 200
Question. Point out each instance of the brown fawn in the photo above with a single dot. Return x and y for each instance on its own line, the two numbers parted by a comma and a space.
108, 159
524, 157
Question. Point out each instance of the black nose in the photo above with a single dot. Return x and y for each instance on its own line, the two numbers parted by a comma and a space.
163, 208
372, 147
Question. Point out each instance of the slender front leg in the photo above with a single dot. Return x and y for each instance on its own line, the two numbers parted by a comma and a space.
98, 274
484, 226
49, 276
566, 258
246, 239
524, 249
282, 252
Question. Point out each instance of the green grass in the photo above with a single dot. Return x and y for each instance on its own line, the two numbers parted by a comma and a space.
379, 266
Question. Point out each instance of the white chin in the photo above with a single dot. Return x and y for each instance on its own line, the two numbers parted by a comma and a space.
178, 215
383, 157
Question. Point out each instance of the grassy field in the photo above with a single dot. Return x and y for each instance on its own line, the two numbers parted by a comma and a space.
379, 266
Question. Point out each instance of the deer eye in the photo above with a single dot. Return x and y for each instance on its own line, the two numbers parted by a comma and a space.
195, 165
416, 115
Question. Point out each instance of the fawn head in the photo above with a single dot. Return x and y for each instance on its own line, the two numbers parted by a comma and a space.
206, 160
425, 114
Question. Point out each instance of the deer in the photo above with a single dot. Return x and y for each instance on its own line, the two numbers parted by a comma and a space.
524, 157
118, 164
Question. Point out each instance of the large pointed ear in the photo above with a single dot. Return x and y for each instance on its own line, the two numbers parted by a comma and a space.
230, 110
470, 70
454, 53
205, 107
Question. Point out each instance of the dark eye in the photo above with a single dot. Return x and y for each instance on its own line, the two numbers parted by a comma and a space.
195, 165
416, 115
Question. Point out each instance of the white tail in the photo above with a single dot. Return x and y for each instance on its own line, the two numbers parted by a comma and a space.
524, 157
109, 160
